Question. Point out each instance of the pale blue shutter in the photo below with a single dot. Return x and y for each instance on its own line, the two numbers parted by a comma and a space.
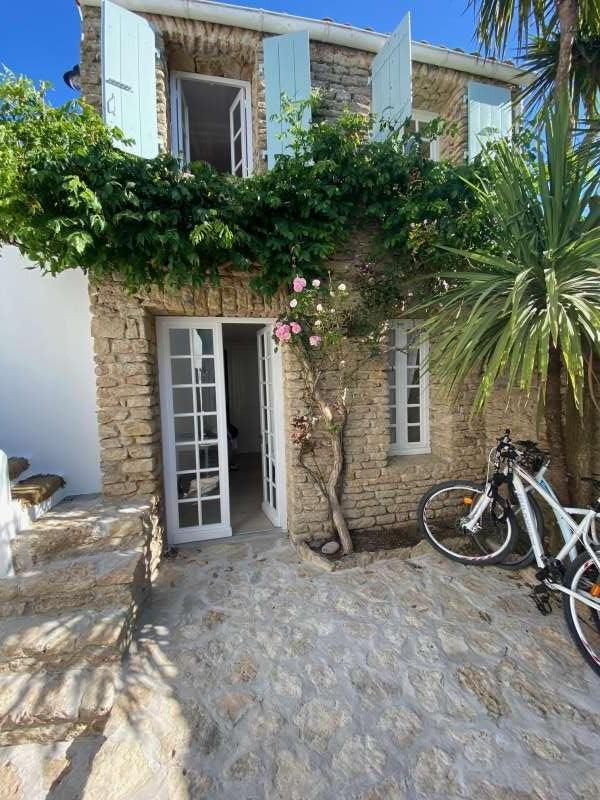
391, 79
287, 71
129, 77
490, 114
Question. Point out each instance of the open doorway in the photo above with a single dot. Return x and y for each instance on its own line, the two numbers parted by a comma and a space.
222, 427
243, 407
211, 120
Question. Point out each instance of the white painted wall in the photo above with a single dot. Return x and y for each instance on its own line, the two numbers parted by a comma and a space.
47, 381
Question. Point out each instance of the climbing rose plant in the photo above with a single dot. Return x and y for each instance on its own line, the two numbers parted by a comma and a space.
333, 334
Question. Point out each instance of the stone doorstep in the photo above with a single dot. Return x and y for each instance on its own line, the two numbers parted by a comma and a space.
60, 640
82, 581
42, 706
45, 542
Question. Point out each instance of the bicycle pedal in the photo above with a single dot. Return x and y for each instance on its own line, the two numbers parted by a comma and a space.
541, 598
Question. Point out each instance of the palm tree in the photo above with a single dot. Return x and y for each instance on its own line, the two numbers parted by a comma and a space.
562, 20
528, 308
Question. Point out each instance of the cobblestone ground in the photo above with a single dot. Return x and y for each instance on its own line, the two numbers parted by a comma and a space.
259, 677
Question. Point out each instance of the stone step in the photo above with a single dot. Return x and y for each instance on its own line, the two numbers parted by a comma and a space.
48, 706
75, 527
37, 489
60, 640
114, 577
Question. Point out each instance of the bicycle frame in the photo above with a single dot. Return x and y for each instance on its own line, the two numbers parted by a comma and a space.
584, 531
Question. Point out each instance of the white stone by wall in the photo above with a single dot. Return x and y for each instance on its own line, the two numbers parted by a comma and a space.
47, 382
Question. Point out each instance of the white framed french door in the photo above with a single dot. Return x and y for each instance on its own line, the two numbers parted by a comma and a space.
194, 427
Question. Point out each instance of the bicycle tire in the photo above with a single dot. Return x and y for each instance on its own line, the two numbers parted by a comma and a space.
575, 572
476, 560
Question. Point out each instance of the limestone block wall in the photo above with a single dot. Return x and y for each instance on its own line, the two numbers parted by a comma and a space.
341, 75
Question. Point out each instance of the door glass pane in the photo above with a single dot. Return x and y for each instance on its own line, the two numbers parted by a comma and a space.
181, 370
211, 512
208, 370
413, 414
185, 457
209, 484
207, 399
188, 514
237, 118
414, 433
412, 395
208, 456
179, 341
412, 376
183, 401
186, 485
237, 150
184, 429
203, 342
210, 426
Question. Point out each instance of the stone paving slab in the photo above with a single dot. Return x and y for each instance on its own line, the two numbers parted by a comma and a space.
258, 677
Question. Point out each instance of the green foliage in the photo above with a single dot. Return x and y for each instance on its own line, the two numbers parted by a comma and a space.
540, 290
69, 198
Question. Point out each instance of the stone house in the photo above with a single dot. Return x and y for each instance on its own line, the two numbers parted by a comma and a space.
194, 405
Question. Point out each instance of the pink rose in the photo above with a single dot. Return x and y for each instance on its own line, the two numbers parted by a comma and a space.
299, 284
314, 341
283, 332
295, 327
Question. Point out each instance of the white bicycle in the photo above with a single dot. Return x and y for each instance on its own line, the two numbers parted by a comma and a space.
484, 525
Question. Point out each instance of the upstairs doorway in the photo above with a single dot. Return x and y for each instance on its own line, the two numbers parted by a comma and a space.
212, 122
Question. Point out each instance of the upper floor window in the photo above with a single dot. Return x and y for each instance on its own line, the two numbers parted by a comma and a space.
429, 147
211, 121
409, 390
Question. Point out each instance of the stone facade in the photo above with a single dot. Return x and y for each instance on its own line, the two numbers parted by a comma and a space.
379, 491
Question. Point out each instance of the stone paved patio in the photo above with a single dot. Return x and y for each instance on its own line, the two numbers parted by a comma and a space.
259, 677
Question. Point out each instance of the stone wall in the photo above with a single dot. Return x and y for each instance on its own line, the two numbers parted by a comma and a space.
380, 491
341, 74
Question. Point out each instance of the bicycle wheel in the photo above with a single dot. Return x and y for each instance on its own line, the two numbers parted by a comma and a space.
441, 516
583, 622
522, 554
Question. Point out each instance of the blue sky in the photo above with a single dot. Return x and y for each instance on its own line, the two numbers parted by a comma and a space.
41, 37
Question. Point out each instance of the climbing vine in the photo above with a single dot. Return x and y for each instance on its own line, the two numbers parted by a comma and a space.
70, 198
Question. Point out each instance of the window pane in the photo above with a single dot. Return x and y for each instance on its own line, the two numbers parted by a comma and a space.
188, 515
412, 376
413, 396
393, 396
392, 416
414, 433
237, 118
413, 414
393, 435
208, 371
237, 150
179, 341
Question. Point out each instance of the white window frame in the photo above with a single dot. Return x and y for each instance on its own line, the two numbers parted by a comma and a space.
399, 331
420, 117
179, 147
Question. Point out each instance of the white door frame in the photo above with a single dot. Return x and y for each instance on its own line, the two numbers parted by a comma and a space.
166, 414
177, 138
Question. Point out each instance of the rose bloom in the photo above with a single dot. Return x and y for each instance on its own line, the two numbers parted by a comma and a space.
314, 341
316, 283
342, 287
283, 332
299, 283
293, 303
295, 327
319, 307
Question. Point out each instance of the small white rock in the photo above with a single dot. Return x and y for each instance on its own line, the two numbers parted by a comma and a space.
329, 548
